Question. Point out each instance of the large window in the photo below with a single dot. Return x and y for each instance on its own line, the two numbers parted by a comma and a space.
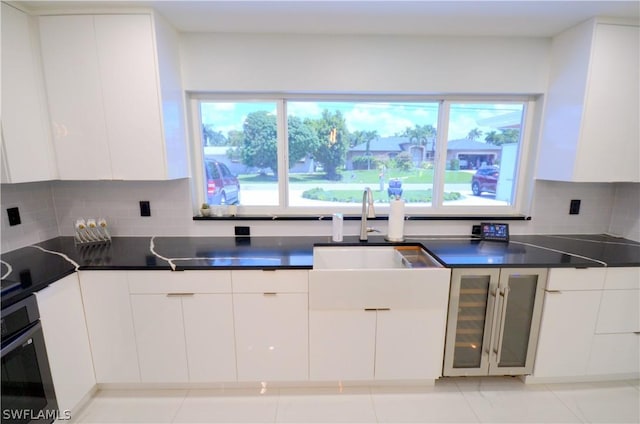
304, 155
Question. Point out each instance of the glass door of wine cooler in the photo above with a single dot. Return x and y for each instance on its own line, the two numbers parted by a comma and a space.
518, 311
493, 322
471, 311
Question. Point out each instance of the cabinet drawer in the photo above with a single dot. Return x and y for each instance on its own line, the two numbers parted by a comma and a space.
576, 279
141, 282
615, 354
276, 281
404, 288
622, 278
619, 312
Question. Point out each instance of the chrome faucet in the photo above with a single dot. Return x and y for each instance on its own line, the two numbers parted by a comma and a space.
367, 212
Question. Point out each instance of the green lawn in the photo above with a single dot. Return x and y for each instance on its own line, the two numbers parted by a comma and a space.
355, 196
418, 176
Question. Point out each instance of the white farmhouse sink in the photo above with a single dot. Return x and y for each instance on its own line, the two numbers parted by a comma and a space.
371, 257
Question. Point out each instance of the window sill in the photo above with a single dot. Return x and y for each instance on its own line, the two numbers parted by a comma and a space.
357, 218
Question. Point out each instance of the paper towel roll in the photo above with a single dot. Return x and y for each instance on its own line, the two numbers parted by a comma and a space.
396, 220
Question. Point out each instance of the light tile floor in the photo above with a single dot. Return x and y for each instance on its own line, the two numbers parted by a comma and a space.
454, 400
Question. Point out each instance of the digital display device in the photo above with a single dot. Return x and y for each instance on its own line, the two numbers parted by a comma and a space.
494, 231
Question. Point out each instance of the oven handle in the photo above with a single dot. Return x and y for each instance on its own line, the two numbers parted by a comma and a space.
24, 336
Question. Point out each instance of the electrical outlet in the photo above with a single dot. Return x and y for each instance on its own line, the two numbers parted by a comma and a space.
242, 231
574, 207
145, 208
14, 216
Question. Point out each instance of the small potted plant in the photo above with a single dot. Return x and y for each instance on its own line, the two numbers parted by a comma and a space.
205, 209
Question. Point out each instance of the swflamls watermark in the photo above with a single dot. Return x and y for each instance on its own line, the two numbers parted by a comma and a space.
32, 415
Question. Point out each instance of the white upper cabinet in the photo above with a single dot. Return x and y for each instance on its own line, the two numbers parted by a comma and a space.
113, 88
590, 129
26, 139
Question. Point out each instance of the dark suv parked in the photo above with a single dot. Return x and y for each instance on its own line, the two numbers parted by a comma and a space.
485, 180
223, 187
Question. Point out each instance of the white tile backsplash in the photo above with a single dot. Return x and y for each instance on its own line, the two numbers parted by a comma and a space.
37, 214
625, 216
50, 209
119, 203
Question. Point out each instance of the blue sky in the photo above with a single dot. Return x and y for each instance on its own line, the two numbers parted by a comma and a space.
386, 118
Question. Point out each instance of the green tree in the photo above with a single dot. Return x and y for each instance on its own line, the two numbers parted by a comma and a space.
211, 137
420, 135
302, 140
330, 152
235, 140
360, 137
259, 146
506, 136
474, 134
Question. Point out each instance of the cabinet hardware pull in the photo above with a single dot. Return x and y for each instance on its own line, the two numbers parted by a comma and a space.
384, 309
491, 304
554, 291
179, 294
637, 332
269, 294
505, 294
370, 309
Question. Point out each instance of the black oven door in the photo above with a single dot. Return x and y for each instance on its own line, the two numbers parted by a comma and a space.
27, 389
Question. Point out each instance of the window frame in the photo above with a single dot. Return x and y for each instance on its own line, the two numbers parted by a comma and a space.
523, 185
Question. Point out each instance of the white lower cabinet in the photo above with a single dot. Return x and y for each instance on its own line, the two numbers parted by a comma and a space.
107, 308
271, 336
183, 326
209, 336
372, 345
271, 324
342, 345
184, 337
160, 338
566, 333
590, 325
377, 324
67, 342
407, 344
615, 354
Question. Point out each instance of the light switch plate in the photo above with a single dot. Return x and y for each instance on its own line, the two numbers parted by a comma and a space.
14, 216
574, 207
145, 208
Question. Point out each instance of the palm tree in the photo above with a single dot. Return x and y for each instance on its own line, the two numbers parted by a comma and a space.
474, 134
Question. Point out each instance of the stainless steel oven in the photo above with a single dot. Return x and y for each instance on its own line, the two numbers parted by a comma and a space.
28, 395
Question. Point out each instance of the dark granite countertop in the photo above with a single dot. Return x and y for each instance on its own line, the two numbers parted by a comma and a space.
39, 265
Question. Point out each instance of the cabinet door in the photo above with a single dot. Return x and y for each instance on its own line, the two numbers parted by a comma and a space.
566, 333
128, 74
107, 308
516, 321
75, 97
615, 354
160, 338
619, 312
271, 336
469, 324
65, 335
342, 344
208, 326
611, 112
409, 344
26, 134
